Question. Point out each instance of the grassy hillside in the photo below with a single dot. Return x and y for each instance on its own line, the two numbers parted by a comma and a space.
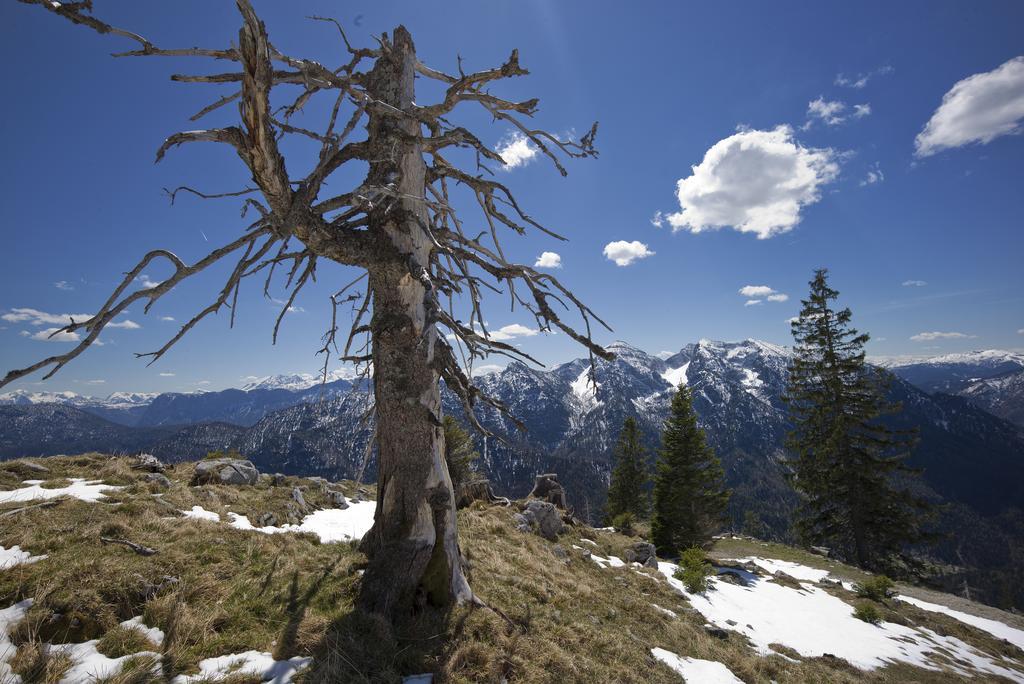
285, 600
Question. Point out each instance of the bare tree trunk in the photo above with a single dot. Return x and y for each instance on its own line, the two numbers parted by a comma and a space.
413, 546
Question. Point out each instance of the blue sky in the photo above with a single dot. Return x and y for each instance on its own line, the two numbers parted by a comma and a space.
799, 130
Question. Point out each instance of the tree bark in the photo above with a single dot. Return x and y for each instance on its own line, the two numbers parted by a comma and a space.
413, 546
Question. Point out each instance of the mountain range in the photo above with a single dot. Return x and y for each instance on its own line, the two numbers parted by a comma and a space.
970, 453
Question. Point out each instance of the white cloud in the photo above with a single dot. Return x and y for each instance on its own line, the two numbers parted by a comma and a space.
203, 382
792, 320
45, 335
1021, 331
861, 80
831, 113
874, 176
914, 283
756, 291
95, 382
167, 318
658, 220
146, 282
758, 294
753, 181
548, 260
517, 150
126, 324
486, 369
37, 317
978, 109
508, 332
166, 375
624, 253
63, 285
932, 336
282, 302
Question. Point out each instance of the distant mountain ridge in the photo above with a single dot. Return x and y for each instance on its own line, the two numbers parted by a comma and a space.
971, 459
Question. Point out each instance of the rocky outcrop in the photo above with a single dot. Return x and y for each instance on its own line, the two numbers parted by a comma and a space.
543, 518
225, 471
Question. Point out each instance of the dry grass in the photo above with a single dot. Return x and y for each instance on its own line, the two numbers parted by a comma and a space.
554, 619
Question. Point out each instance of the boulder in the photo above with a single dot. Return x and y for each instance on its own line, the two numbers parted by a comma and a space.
642, 553
521, 522
559, 551
159, 479
148, 462
278, 480
299, 499
267, 520
547, 488
225, 471
545, 518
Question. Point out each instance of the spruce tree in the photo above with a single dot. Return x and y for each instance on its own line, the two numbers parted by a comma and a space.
458, 452
627, 490
847, 466
689, 488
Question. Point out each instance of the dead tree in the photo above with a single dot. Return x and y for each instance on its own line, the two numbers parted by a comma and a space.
422, 263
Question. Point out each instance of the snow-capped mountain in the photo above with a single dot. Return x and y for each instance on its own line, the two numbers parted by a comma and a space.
298, 381
992, 379
120, 407
951, 372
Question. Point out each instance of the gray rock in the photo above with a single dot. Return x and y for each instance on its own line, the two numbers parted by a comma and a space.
644, 551
278, 480
521, 522
159, 479
267, 520
34, 467
651, 562
299, 499
149, 462
548, 520
226, 471
716, 632
559, 551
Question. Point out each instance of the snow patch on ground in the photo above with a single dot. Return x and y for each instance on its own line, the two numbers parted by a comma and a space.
803, 573
330, 524
813, 622
15, 556
9, 617
993, 627
676, 376
86, 490
89, 665
697, 670
609, 562
256, 663
201, 513
154, 634
664, 611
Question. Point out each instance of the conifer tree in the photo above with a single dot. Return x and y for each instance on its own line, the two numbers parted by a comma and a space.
627, 490
847, 466
689, 489
459, 452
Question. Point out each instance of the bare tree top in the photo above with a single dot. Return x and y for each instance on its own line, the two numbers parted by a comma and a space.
299, 221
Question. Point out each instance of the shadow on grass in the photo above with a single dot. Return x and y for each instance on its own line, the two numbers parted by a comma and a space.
366, 648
